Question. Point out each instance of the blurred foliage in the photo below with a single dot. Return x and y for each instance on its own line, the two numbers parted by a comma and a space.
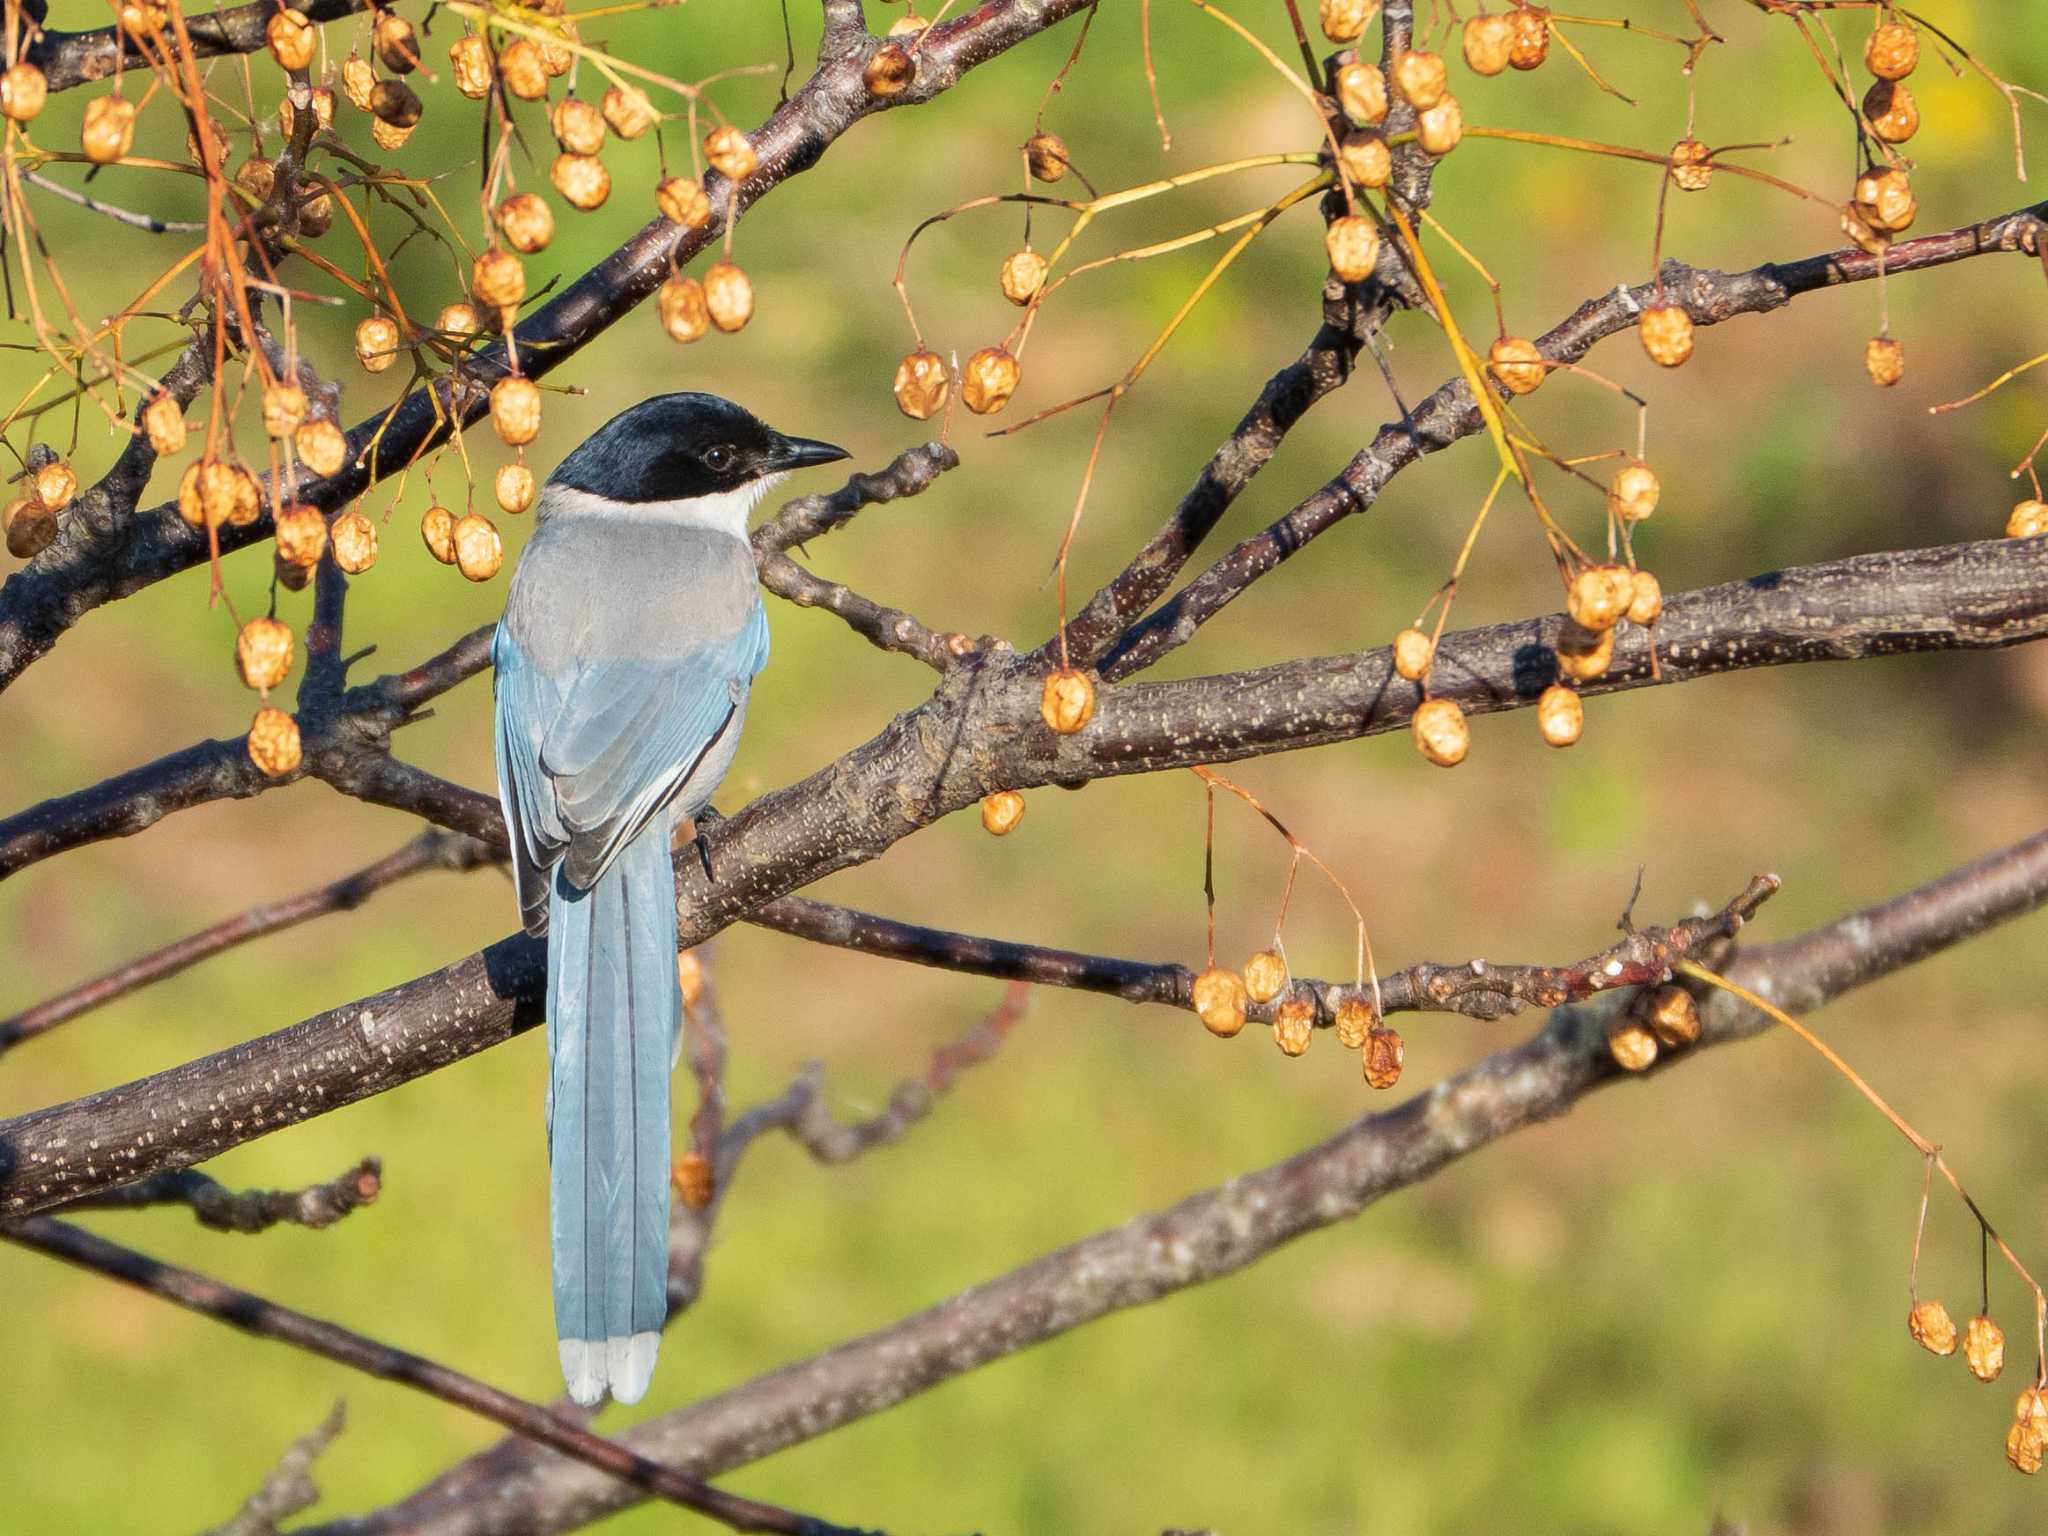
1689, 1297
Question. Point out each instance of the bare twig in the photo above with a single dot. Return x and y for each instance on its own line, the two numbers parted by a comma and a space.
248, 1210
289, 1487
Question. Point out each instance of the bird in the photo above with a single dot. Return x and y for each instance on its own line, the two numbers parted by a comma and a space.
632, 633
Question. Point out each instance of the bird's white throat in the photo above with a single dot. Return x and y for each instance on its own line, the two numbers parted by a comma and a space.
723, 511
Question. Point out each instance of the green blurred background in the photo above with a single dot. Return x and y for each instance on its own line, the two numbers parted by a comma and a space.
1687, 1297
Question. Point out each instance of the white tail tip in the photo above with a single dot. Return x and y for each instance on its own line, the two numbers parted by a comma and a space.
623, 1365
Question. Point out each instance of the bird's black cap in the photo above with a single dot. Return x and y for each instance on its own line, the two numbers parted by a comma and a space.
673, 447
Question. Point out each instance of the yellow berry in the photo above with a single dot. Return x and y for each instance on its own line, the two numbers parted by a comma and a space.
1068, 700
526, 221
1413, 652
1294, 1025
1353, 243
1666, 331
353, 539
479, 551
1884, 359
728, 295
1265, 976
514, 487
274, 742
1219, 997
989, 379
1421, 78
1631, 1043
1517, 363
680, 303
1441, 734
1632, 493
730, 152
921, 384
263, 653
1385, 1051
1560, 715
1489, 40
1932, 1328
437, 532
1001, 811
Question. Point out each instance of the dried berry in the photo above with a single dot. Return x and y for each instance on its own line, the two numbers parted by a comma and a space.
520, 67
1871, 241
284, 408
1516, 362
291, 39
1365, 158
582, 180
213, 492
1691, 169
1421, 78
1385, 1051
1440, 129
322, 446
1632, 493
23, 90
1893, 114
497, 279
1265, 976
1001, 811
1413, 652
684, 314
316, 215
258, 178
526, 222
1892, 51
471, 58
1294, 1025
557, 58
691, 1176
1219, 997
514, 487
989, 379
1532, 37
29, 527
357, 81
1646, 598
377, 343
728, 295
1884, 359
578, 125
1046, 155
628, 111
921, 384
437, 532
1932, 1328
1584, 654
689, 976
1885, 199
1441, 734
55, 485
1362, 93
1631, 1043
1488, 42
163, 419
730, 152
1672, 1015
1666, 330
2024, 1448
682, 199
1345, 21
2029, 520
1068, 700
301, 535
353, 538
515, 410
1600, 595
388, 137
1023, 275
397, 48
263, 653
108, 131
1984, 1348
458, 321
274, 742
889, 70
1560, 715
1355, 1020
2031, 1412
1353, 243
478, 549
396, 103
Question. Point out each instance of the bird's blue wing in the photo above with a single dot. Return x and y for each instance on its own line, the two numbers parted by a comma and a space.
630, 733
527, 701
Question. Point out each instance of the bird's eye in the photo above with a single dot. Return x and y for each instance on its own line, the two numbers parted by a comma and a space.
718, 456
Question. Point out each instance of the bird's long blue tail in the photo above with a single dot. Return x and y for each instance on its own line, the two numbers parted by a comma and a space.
614, 1007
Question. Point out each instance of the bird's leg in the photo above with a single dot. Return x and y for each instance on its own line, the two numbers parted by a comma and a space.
703, 822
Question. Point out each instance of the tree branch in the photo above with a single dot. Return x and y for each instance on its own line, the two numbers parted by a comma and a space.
1224, 1229
70, 59
267, 1320
432, 849
980, 732
251, 1210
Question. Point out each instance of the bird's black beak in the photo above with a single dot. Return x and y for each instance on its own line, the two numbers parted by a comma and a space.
802, 453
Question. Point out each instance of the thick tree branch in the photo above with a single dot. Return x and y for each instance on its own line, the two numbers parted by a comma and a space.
267, 1320
40, 602
1221, 1230
69, 59
981, 731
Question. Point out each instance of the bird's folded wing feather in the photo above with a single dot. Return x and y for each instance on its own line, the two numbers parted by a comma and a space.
590, 758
